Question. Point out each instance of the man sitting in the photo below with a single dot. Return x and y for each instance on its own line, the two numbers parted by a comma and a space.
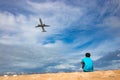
87, 63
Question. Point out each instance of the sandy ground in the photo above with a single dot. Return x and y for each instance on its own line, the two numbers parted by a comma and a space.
96, 75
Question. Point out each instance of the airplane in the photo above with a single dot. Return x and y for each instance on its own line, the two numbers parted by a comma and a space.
42, 25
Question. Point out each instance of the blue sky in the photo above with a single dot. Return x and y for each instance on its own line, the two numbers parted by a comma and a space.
76, 27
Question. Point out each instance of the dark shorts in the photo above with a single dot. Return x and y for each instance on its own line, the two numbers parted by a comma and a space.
87, 71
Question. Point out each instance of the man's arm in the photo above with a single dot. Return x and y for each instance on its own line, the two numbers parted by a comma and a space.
83, 64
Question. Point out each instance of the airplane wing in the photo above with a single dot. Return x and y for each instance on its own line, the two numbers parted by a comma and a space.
40, 21
36, 26
47, 25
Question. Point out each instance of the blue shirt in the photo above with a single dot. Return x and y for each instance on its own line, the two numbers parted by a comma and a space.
88, 67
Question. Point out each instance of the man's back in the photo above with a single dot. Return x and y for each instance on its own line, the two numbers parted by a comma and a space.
88, 64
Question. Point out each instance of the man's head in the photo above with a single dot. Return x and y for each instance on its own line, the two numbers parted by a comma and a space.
87, 55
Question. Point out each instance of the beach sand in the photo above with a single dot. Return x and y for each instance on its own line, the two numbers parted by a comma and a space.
96, 75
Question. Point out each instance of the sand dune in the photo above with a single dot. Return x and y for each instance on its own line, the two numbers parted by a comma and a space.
96, 75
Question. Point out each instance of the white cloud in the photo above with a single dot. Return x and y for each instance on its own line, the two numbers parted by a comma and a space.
23, 29
58, 14
18, 29
64, 66
26, 56
7, 21
25, 65
113, 22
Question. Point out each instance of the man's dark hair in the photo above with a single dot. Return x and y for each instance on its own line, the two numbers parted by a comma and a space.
87, 55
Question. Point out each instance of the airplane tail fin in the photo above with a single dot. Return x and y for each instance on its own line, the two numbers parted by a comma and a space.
44, 31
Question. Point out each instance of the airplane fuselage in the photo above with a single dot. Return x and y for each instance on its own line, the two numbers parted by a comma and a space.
42, 26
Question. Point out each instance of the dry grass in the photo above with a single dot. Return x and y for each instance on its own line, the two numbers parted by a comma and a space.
97, 75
